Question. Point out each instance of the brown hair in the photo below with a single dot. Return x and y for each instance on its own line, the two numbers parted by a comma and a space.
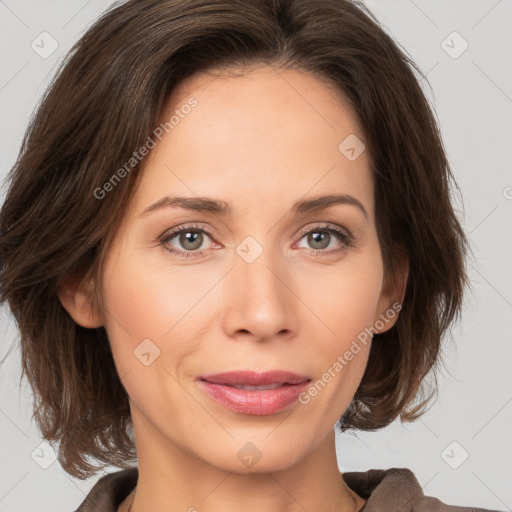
106, 101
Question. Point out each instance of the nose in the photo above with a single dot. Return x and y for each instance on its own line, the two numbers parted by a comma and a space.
258, 298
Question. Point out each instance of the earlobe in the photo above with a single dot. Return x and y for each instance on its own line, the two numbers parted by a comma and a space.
76, 298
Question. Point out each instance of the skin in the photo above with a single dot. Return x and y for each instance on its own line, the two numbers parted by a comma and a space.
259, 142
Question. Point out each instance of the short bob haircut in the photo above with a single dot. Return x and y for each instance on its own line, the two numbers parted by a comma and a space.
104, 103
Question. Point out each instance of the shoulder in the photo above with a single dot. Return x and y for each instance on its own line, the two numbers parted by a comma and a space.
396, 489
109, 491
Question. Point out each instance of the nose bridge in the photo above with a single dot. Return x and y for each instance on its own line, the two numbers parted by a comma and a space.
261, 301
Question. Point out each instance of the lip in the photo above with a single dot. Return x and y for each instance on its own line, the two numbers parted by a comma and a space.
221, 387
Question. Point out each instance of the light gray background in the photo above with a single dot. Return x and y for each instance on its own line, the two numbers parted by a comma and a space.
473, 99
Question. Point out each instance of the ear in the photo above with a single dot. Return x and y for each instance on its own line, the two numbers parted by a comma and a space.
76, 297
392, 296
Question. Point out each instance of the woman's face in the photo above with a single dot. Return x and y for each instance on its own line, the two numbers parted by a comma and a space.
265, 287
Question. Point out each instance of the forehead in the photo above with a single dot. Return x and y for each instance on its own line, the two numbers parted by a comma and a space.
267, 133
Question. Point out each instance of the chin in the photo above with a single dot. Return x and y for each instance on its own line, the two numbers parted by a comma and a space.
258, 455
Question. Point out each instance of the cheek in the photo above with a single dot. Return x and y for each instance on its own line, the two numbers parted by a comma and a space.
148, 301
136, 308
345, 299
146, 322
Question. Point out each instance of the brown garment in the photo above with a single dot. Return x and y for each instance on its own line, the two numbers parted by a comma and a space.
387, 490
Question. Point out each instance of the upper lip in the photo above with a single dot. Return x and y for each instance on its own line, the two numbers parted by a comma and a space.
252, 378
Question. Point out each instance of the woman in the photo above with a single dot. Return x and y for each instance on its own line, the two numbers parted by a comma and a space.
218, 245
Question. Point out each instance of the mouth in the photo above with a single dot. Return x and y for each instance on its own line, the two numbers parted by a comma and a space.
252, 393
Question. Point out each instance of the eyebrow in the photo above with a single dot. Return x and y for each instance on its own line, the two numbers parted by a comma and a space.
206, 204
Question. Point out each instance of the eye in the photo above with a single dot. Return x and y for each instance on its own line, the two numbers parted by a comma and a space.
331, 237
192, 240
189, 240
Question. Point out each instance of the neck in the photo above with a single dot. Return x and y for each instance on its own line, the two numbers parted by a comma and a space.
173, 480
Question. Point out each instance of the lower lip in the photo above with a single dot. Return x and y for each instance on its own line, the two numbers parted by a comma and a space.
254, 402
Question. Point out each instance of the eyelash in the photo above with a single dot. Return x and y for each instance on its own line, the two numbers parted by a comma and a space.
342, 234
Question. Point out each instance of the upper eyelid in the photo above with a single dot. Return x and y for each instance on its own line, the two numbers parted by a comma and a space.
328, 226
